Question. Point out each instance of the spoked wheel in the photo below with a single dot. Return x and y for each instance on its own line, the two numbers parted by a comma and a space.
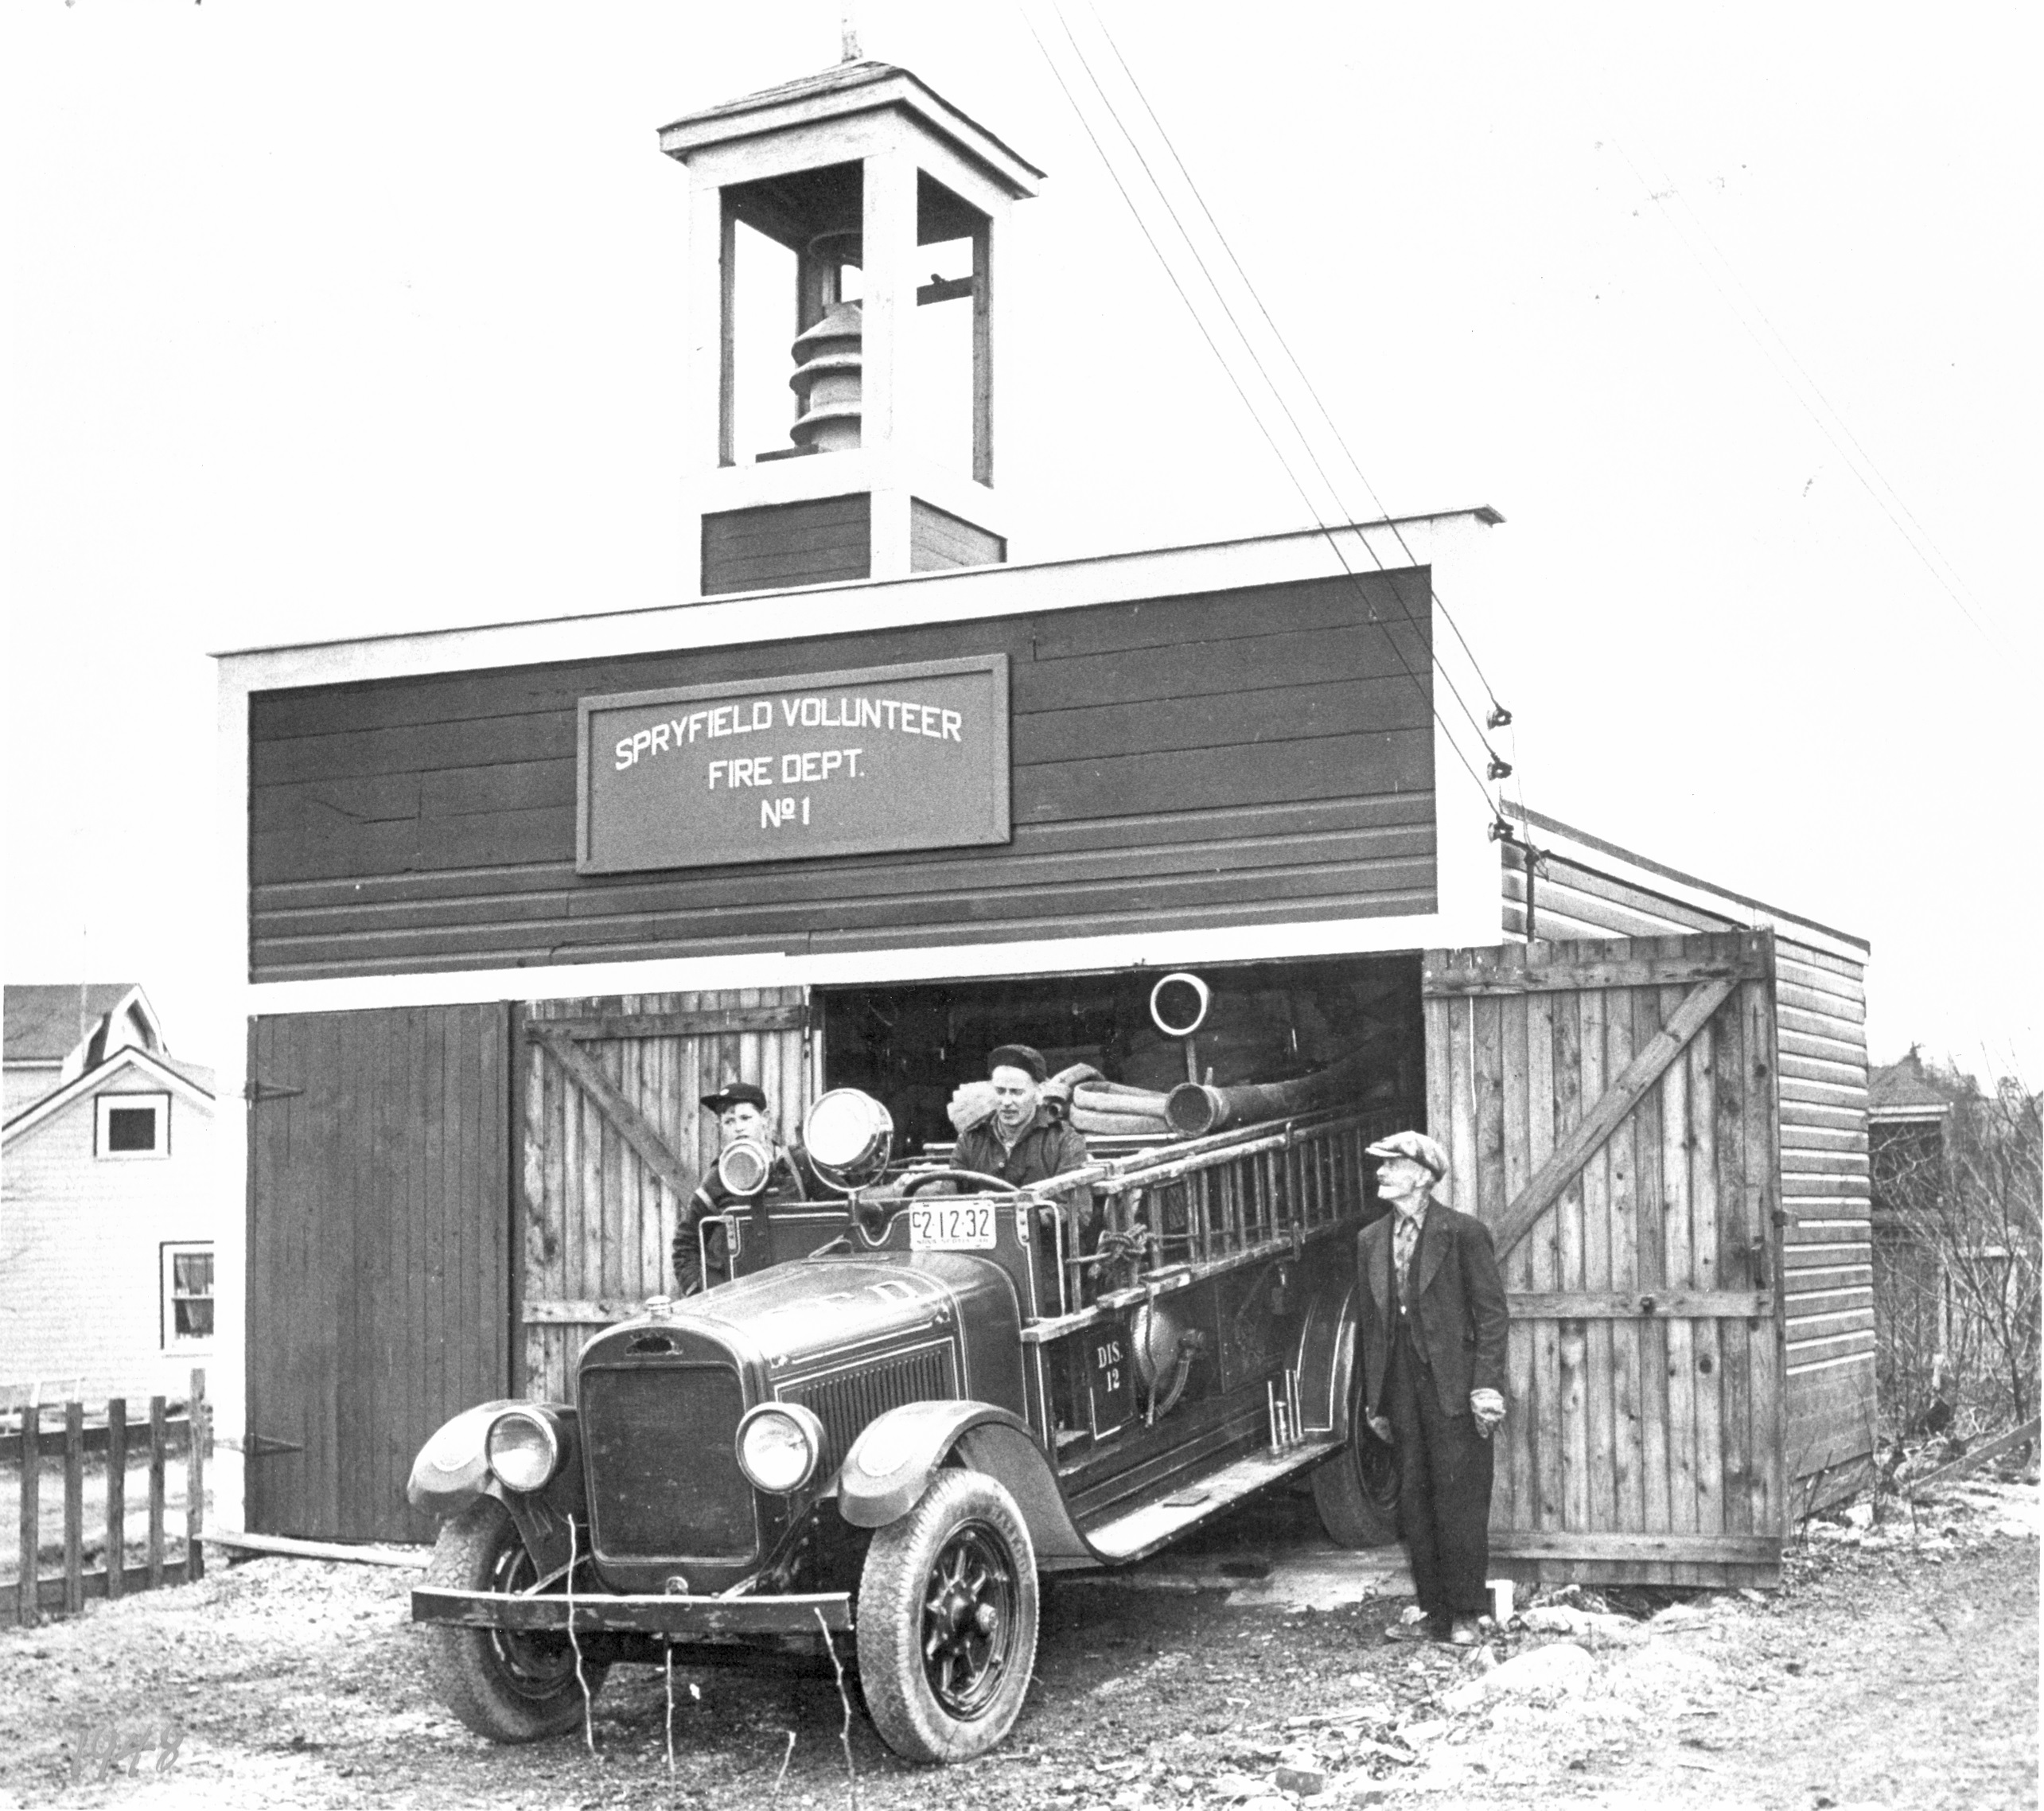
947, 1621
969, 1620
503, 1684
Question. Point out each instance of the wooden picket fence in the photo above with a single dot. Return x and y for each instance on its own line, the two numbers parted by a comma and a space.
31, 1596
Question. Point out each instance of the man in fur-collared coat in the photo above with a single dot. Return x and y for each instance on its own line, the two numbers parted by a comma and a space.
1430, 1336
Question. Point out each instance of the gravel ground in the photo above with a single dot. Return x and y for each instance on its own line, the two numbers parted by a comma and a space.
1899, 1666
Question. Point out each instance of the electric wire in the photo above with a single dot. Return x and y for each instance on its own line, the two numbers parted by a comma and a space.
1277, 334
1255, 358
1499, 716
1227, 369
1857, 461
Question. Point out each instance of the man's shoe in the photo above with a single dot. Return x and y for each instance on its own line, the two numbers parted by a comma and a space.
1419, 1629
1463, 1633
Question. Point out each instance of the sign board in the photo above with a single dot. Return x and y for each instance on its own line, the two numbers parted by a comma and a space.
817, 764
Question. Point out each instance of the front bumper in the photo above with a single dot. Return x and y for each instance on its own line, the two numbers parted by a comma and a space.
681, 1618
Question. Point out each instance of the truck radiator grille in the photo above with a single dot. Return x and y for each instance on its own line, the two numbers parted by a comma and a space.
845, 1402
663, 1477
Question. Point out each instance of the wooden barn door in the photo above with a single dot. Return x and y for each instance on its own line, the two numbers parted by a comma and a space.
1610, 1111
378, 1255
615, 1142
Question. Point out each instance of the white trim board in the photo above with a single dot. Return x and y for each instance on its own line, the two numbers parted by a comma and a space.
957, 594
1206, 945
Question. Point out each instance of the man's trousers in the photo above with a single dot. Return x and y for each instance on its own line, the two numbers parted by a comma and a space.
1444, 1469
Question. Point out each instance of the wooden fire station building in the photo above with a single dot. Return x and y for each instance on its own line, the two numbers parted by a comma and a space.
871, 797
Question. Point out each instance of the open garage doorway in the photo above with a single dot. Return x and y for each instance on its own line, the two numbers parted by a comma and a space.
910, 1044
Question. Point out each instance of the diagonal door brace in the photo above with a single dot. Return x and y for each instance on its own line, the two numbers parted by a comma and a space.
629, 1122
1646, 1067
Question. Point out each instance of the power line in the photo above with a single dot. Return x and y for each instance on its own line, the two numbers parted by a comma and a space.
1277, 334
1829, 422
1234, 379
1249, 347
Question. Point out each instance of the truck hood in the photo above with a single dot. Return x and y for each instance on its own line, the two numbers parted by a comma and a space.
834, 1311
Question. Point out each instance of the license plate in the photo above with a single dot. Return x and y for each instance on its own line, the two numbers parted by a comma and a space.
948, 1226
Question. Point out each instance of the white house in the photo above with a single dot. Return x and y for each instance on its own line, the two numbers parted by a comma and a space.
107, 1223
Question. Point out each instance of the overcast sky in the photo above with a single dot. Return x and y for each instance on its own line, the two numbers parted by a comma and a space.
326, 318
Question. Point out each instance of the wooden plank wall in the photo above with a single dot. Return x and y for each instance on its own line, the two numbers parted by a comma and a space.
1641, 1448
378, 1284
1820, 1015
597, 1225
937, 540
813, 543
1263, 755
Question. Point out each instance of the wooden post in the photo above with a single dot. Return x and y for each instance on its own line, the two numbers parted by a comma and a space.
158, 1438
727, 331
983, 359
117, 1480
32, 1417
74, 1508
198, 1419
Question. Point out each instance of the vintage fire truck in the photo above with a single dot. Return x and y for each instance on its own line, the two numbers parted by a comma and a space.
909, 1403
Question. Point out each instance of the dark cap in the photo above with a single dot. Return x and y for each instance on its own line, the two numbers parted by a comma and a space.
1021, 1056
737, 1094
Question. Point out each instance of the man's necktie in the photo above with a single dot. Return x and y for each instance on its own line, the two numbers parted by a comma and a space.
1403, 1238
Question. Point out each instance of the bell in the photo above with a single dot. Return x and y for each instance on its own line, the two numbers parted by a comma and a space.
829, 378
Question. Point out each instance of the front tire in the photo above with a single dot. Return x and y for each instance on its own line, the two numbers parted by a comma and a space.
1356, 1492
947, 1621
509, 1686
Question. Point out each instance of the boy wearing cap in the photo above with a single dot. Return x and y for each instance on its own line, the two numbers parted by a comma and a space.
741, 1111
1022, 1143
1430, 1337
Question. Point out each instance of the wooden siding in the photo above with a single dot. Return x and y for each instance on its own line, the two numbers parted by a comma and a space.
81, 1243
597, 1221
937, 540
1644, 1369
1820, 1015
779, 544
378, 1275
1255, 756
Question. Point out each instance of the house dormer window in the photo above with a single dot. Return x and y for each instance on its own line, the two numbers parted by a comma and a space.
131, 1126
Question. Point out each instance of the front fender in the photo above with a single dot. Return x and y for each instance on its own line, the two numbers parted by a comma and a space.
452, 1470
892, 1462
1325, 1357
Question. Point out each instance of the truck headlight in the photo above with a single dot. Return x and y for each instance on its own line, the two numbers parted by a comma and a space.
743, 1168
524, 1451
780, 1445
848, 1136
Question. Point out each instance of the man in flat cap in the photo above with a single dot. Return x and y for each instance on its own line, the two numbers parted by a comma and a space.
741, 1111
1430, 1336
1021, 1142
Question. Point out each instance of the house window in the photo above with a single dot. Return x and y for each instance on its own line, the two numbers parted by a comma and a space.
128, 1126
187, 1296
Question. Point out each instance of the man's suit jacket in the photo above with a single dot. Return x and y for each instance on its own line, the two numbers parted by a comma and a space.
1457, 1304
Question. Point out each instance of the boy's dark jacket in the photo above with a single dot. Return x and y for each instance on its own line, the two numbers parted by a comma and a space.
1458, 1302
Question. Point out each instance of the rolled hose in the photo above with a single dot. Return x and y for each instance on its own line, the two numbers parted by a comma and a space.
1120, 1125
1109, 1109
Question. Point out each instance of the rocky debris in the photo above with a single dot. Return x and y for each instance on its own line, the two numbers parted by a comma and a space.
1560, 1668
1590, 1626
1299, 1771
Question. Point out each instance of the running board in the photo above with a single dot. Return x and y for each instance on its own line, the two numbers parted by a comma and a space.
1140, 1532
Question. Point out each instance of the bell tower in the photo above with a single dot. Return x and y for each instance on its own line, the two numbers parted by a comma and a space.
854, 171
